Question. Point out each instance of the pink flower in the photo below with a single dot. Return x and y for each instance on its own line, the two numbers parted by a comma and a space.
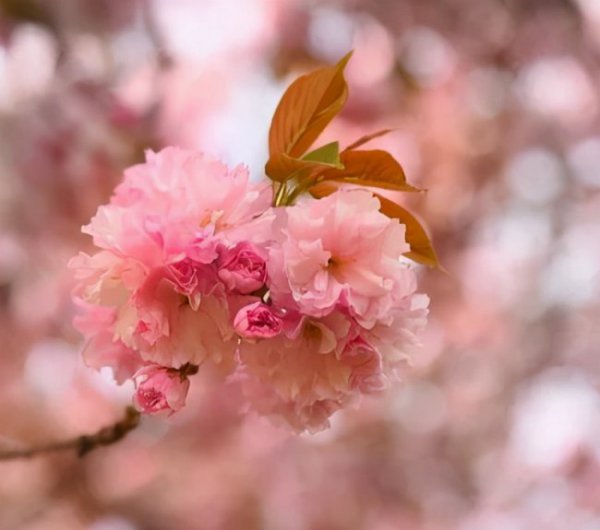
291, 413
257, 321
178, 203
185, 275
187, 244
338, 251
105, 278
242, 269
102, 349
156, 275
168, 330
366, 364
160, 389
397, 339
298, 381
193, 279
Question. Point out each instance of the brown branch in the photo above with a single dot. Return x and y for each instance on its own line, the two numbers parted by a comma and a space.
83, 444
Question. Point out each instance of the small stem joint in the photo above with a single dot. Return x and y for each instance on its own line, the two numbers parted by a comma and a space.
109, 435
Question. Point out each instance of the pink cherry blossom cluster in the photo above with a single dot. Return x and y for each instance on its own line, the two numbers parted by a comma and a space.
303, 306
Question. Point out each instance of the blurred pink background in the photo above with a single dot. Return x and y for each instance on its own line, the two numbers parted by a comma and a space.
496, 109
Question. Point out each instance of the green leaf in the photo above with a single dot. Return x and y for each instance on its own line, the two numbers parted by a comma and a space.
327, 155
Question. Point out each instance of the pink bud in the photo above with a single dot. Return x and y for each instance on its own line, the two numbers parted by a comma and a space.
242, 269
160, 389
257, 321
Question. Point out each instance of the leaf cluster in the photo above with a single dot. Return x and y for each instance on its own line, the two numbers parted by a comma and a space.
306, 108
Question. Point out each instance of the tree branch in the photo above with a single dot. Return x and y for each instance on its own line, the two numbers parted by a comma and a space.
83, 444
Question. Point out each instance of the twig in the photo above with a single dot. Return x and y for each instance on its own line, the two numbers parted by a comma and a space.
83, 444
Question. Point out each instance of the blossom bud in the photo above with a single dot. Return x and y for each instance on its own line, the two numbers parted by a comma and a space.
257, 321
160, 389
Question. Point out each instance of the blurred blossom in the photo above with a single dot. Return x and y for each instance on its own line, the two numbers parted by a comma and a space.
11, 257
331, 32
112, 523
77, 134
374, 57
523, 234
571, 279
495, 521
488, 91
190, 100
536, 175
584, 159
420, 408
559, 88
558, 415
201, 30
591, 11
89, 58
252, 101
26, 65
590, 8
50, 357
426, 55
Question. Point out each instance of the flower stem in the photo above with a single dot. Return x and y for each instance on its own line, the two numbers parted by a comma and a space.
83, 444
279, 196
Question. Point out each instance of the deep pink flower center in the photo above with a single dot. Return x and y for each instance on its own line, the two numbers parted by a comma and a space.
263, 319
184, 272
152, 399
